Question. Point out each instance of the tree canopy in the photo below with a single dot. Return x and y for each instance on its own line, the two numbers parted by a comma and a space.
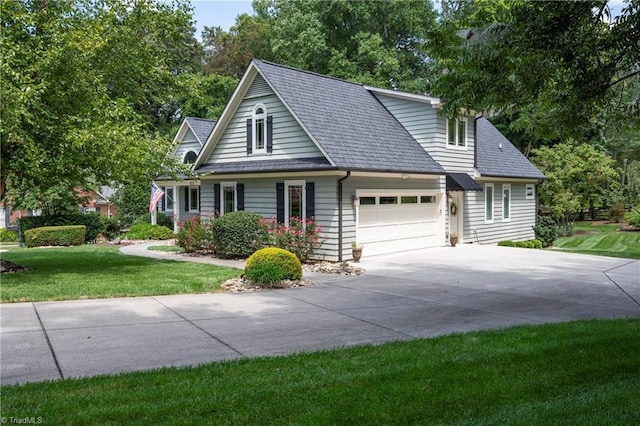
84, 84
557, 69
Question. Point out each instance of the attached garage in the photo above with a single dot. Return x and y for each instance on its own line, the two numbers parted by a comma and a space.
392, 221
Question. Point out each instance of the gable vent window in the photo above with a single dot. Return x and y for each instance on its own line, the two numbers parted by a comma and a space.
259, 131
190, 157
457, 133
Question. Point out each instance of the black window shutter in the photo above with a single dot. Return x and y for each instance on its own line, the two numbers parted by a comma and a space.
249, 137
310, 200
186, 199
240, 196
199, 201
270, 134
280, 202
216, 199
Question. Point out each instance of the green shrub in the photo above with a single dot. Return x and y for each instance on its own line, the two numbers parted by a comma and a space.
633, 217
92, 221
147, 231
190, 234
528, 244
567, 229
112, 228
506, 243
537, 244
271, 265
546, 230
161, 219
616, 213
7, 236
72, 235
237, 234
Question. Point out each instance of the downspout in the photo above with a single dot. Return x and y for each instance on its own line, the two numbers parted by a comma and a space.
340, 214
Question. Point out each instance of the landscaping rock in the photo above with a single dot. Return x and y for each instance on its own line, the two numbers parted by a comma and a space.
8, 267
242, 285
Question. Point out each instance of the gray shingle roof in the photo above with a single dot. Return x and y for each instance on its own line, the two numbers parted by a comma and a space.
496, 156
352, 127
201, 127
307, 164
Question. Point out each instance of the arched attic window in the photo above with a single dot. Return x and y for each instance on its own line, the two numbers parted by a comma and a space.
190, 157
260, 128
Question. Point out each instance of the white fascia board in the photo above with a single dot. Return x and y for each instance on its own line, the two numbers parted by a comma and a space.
404, 95
227, 114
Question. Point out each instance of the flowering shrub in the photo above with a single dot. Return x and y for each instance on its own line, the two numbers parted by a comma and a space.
190, 234
301, 237
195, 234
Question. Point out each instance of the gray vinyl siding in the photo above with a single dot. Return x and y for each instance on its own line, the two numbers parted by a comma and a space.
429, 128
289, 139
518, 228
260, 197
188, 143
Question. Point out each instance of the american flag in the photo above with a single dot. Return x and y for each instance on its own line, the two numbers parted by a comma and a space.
156, 195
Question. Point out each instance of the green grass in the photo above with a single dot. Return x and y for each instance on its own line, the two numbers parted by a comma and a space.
582, 373
92, 271
602, 240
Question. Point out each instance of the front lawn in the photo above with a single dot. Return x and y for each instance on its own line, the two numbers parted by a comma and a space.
582, 373
601, 239
93, 271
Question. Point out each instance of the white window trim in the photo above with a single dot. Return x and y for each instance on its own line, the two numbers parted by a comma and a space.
167, 204
197, 209
287, 184
504, 217
224, 185
457, 138
531, 187
254, 129
493, 199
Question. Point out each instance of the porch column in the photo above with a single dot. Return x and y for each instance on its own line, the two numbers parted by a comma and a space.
176, 207
154, 216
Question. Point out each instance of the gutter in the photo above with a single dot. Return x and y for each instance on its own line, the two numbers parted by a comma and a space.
342, 179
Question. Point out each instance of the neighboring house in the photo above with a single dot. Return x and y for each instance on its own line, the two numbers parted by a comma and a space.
378, 167
95, 201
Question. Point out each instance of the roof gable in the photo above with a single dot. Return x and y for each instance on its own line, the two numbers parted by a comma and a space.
348, 122
201, 127
497, 156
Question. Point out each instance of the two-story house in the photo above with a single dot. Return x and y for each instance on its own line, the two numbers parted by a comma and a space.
373, 166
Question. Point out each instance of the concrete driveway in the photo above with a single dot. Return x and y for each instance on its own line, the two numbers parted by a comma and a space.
405, 296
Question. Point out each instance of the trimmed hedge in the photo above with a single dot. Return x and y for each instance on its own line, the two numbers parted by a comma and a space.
72, 235
534, 244
92, 222
271, 265
238, 234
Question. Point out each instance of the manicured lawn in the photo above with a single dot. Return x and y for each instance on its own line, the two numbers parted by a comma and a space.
601, 239
93, 271
573, 373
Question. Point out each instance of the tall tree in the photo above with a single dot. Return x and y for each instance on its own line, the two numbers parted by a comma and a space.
374, 42
577, 176
82, 85
229, 52
559, 68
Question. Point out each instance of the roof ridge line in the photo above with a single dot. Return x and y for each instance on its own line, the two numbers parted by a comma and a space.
312, 73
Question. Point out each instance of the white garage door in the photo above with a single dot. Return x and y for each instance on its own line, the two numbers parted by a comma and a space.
393, 223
